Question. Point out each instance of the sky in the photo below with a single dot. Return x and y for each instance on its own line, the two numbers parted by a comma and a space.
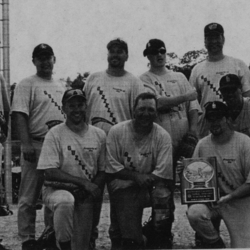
79, 30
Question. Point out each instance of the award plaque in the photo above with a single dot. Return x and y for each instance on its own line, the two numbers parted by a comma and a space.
199, 180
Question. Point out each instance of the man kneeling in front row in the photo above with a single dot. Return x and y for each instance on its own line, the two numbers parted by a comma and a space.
139, 168
73, 153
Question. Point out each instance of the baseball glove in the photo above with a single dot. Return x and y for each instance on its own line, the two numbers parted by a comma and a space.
78, 192
186, 146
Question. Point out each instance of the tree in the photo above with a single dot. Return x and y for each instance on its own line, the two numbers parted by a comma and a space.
187, 62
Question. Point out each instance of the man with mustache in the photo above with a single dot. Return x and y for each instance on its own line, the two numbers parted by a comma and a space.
110, 96
139, 168
205, 76
36, 108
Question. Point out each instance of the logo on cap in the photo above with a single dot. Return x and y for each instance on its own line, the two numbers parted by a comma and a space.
43, 46
212, 26
227, 78
213, 106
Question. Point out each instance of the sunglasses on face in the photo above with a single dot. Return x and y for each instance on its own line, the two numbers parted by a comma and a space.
162, 51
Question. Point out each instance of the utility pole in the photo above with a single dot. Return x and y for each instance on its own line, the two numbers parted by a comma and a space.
6, 74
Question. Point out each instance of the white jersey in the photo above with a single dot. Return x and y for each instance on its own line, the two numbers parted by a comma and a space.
169, 85
242, 121
232, 158
110, 99
205, 77
40, 100
152, 154
81, 156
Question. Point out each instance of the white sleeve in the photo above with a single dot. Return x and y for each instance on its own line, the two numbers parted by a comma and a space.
164, 162
114, 159
50, 154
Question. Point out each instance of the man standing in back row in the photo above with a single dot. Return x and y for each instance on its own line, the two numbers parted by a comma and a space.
177, 105
111, 96
205, 76
36, 107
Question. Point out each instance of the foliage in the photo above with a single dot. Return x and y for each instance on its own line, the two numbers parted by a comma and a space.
186, 63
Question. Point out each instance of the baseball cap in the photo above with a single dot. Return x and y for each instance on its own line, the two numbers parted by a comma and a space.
118, 42
229, 81
215, 109
213, 28
70, 93
42, 49
153, 45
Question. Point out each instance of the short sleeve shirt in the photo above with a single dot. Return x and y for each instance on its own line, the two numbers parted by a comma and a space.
232, 158
152, 154
81, 156
110, 98
40, 100
171, 84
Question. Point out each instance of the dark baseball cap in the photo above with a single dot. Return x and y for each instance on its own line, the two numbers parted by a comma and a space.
213, 28
230, 81
70, 93
118, 42
42, 49
153, 45
215, 109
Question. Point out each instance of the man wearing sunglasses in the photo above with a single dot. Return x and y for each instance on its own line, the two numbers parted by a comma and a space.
205, 76
177, 104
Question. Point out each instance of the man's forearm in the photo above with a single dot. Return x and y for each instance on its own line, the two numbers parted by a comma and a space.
54, 174
126, 174
166, 103
22, 128
242, 191
100, 179
193, 121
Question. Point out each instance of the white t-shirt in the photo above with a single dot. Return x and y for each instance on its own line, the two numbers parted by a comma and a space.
171, 84
110, 99
41, 100
233, 160
152, 154
205, 77
242, 121
81, 156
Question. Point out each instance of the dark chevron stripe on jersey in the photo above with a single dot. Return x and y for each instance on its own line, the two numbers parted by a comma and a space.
216, 91
159, 84
162, 89
129, 160
86, 172
222, 177
105, 101
54, 102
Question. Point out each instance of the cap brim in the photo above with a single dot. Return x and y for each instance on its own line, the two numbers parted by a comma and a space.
43, 53
145, 52
213, 32
212, 114
228, 87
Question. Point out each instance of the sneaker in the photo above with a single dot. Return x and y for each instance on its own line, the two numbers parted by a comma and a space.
29, 245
